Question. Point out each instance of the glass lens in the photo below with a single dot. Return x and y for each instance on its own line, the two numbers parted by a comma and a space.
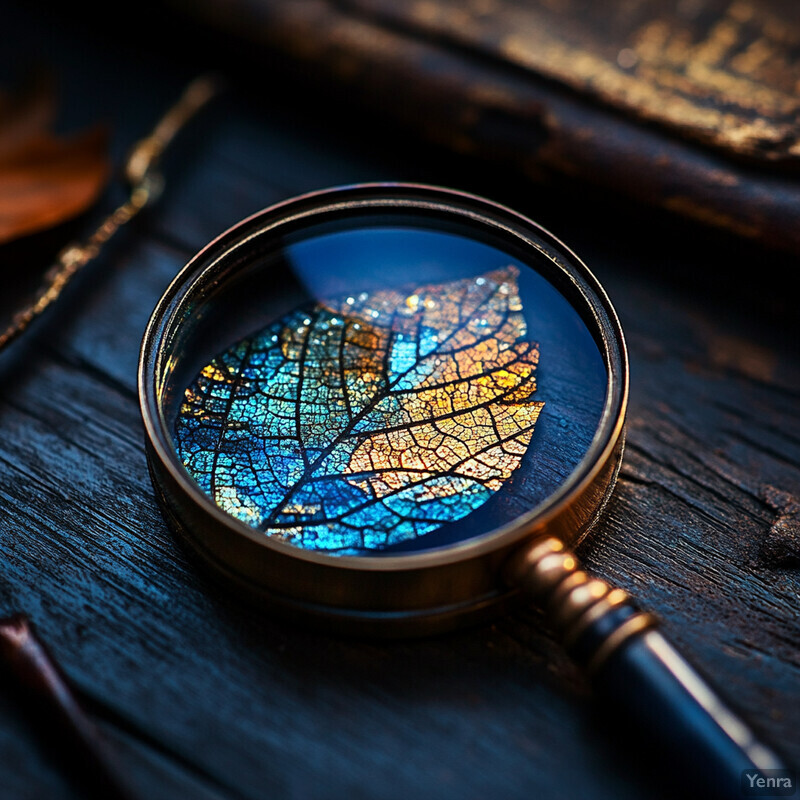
384, 383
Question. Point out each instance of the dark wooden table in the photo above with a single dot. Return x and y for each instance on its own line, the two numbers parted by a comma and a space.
203, 697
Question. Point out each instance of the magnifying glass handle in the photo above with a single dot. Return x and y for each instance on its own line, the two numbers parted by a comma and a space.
635, 667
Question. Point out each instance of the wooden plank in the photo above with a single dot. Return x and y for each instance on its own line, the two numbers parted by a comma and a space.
30, 769
446, 77
108, 571
205, 697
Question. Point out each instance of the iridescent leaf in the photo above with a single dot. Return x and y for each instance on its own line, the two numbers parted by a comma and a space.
365, 421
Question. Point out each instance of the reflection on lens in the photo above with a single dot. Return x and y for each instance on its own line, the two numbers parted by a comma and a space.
391, 412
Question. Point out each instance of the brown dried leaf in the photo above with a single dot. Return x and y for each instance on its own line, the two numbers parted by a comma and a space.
45, 179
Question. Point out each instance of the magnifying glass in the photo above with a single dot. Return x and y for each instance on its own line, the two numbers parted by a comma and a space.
391, 410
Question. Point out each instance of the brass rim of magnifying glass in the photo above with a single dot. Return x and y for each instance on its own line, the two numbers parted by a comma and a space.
414, 593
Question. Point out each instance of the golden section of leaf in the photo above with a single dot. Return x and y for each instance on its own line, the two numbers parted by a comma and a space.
462, 408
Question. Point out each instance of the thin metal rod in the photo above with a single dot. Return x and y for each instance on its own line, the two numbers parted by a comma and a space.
54, 707
146, 182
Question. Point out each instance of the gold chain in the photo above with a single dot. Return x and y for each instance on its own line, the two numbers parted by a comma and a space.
146, 182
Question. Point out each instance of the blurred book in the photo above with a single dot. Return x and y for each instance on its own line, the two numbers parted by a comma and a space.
689, 106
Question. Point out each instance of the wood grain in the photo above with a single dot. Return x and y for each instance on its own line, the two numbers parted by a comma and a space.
202, 696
